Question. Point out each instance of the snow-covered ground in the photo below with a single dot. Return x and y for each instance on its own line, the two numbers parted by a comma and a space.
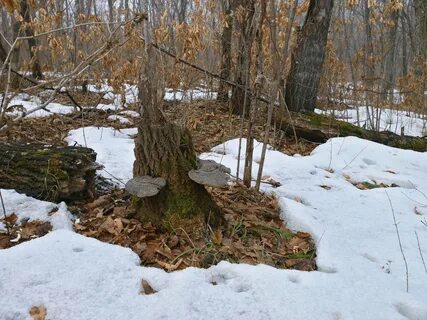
23, 103
385, 119
32, 209
114, 150
361, 270
189, 95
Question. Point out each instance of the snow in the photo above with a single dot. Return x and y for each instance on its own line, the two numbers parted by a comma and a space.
361, 271
118, 118
189, 95
389, 120
114, 149
130, 113
29, 208
29, 103
354, 230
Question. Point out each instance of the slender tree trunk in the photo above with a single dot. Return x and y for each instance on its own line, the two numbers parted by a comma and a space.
369, 64
32, 43
246, 26
307, 61
390, 54
421, 28
404, 47
226, 37
247, 177
110, 10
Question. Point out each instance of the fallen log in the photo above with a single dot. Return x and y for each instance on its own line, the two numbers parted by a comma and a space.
319, 128
53, 173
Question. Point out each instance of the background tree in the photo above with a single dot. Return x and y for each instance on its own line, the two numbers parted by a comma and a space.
307, 60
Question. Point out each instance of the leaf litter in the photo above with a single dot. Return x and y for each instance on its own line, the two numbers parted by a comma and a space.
254, 233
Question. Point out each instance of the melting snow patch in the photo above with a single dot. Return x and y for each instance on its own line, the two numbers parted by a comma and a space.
114, 150
32, 209
118, 118
25, 103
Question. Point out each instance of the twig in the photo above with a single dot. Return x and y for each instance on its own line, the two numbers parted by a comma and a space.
400, 242
4, 213
421, 253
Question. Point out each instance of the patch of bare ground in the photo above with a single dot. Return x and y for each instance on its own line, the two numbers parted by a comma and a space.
253, 233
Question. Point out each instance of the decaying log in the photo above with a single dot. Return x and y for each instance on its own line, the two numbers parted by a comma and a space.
319, 128
48, 172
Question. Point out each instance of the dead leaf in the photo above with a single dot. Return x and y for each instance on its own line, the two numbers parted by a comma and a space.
4, 241
38, 313
11, 219
100, 202
168, 266
146, 288
109, 225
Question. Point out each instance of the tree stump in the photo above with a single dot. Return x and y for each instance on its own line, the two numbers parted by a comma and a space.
48, 172
166, 150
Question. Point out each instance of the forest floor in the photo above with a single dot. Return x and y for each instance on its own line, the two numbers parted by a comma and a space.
362, 204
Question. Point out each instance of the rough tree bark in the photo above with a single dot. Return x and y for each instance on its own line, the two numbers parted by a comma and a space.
246, 26
164, 149
226, 36
390, 54
307, 61
46, 172
32, 43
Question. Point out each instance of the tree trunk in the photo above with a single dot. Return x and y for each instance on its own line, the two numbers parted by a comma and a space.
307, 61
390, 54
246, 26
48, 173
226, 37
163, 149
166, 150
32, 43
421, 30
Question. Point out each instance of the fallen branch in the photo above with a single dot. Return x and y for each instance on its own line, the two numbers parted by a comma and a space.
400, 242
421, 253
4, 214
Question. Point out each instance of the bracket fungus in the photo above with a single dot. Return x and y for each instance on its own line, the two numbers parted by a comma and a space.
210, 173
145, 186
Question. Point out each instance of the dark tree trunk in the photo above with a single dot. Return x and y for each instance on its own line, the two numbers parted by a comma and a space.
246, 27
390, 68
307, 60
48, 173
32, 43
404, 47
226, 37
421, 29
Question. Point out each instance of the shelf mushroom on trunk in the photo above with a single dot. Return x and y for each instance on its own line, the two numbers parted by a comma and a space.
210, 173
162, 201
145, 186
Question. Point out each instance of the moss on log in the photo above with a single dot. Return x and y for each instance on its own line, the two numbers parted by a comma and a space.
319, 128
48, 172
